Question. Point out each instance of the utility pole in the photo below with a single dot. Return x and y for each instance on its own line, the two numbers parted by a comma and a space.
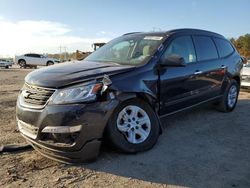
63, 49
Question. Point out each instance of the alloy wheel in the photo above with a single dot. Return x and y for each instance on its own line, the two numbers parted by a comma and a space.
134, 123
232, 96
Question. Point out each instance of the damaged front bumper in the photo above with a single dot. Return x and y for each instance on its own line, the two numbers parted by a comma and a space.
67, 133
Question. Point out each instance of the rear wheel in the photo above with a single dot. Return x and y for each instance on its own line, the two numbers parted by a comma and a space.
230, 97
50, 63
7, 67
133, 127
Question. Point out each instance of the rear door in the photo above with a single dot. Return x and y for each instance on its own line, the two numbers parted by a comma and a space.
181, 87
211, 68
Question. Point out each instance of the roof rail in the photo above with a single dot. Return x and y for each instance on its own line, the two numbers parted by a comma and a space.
195, 30
131, 33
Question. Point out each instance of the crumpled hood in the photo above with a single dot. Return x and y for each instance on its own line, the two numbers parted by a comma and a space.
69, 73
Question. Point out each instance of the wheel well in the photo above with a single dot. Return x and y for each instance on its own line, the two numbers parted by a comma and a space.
153, 103
237, 79
149, 99
50, 62
146, 98
21, 60
143, 96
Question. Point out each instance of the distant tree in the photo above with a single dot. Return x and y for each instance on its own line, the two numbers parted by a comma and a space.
243, 45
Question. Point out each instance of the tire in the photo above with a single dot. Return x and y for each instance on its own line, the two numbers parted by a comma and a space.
230, 97
127, 136
22, 64
7, 67
50, 63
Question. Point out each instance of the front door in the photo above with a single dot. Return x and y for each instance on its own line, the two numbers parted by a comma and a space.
181, 87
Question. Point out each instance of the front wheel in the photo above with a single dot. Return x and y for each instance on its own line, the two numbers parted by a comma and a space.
133, 127
22, 64
230, 97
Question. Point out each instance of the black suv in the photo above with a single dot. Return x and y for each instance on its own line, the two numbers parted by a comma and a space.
121, 91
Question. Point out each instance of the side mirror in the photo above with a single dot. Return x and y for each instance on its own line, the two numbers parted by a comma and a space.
244, 60
173, 61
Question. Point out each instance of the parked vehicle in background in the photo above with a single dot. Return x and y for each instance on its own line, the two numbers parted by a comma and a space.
5, 63
98, 45
121, 91
34, 60
246, 75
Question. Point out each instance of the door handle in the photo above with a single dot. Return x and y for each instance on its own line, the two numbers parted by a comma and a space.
197, 72
223, 67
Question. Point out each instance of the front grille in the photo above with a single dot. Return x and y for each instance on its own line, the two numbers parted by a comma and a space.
246, 78
36, 95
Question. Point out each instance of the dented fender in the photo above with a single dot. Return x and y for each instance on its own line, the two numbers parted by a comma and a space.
143, 88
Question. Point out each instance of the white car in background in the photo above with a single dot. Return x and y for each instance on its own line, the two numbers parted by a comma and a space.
5, 63
246, 75
34, 60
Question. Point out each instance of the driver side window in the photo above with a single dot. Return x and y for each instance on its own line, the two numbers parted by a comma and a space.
182, 46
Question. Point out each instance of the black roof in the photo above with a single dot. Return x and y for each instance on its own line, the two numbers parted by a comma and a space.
175, 31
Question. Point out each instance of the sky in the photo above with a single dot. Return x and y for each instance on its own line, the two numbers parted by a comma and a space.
42, 26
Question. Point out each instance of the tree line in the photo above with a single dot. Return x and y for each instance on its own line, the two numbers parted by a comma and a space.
242, 44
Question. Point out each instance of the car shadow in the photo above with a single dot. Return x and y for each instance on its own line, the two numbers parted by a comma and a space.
198, 148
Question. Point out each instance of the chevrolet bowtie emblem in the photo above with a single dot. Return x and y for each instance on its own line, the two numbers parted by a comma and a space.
25, 93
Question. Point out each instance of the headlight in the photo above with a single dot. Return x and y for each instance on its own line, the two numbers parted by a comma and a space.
77, 94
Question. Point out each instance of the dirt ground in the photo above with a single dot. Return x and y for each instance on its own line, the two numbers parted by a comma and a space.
198, 148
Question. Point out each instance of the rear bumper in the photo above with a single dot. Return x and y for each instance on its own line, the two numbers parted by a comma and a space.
80, 146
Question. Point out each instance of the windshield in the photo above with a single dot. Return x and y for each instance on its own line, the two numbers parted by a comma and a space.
129, 50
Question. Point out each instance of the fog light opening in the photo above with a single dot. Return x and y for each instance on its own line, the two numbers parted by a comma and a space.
62, 129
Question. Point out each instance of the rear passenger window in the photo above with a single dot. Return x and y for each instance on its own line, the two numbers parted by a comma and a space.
205, 48
224, 47
182, 46
31, 55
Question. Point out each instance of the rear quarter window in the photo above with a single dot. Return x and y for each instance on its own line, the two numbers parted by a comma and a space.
224, 47
205, 48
